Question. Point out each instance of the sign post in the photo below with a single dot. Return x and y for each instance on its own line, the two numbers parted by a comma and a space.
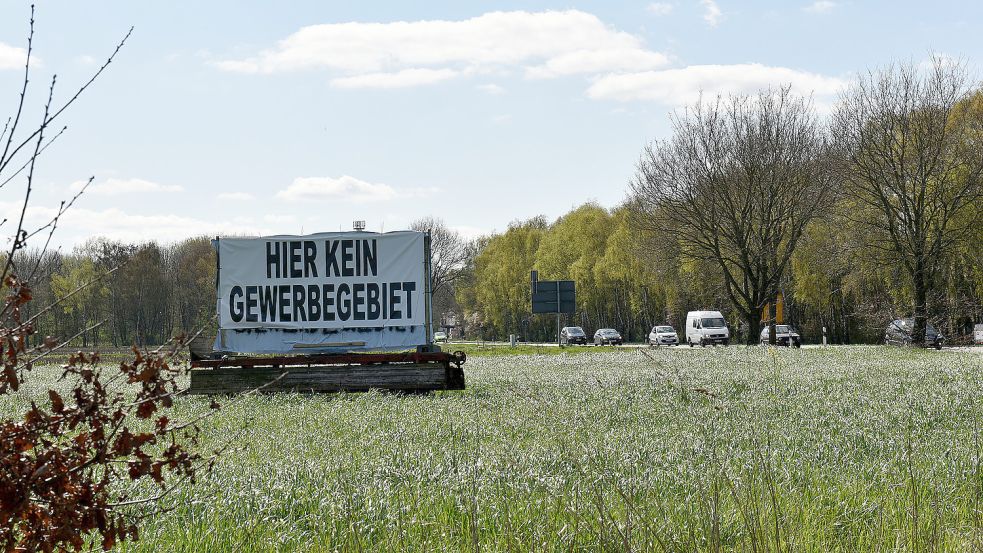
553, 296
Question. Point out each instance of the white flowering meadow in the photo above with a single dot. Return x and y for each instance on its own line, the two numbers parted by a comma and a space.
720, 449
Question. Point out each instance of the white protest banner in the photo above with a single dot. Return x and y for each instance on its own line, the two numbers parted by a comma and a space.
324, 290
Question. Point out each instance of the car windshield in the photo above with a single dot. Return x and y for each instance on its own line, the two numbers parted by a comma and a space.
664, 329
608, 331
713, 322
575, 331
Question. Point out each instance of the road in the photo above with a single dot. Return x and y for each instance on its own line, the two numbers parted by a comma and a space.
964, 349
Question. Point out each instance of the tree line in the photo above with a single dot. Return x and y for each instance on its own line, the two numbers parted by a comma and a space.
111, 293
865, 213
857, 217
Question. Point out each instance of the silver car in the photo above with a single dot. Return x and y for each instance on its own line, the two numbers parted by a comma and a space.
663, 336
784, 336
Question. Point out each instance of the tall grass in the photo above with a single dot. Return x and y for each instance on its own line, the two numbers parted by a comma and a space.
726, 449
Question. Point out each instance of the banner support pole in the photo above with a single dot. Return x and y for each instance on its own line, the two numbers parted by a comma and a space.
428, 294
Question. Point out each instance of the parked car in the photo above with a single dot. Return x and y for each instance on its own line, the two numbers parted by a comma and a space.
607, 336
784, 336
978, 334
899, 332
439, 336
663, 336
706, 327
573, 335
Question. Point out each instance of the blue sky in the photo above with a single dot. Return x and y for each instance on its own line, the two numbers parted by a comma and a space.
261, 117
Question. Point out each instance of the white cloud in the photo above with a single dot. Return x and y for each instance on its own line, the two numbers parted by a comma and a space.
820, 6
660, 8
235, 196
711, 12
79, 224
12, 57
115, 187
677, 87
345, 189
398, 79
502, 119
597, 61
492, 89
406, 53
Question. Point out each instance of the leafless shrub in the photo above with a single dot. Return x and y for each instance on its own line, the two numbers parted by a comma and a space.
61, 463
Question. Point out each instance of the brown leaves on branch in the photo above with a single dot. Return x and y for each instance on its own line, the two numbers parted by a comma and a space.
60, 466
65, 466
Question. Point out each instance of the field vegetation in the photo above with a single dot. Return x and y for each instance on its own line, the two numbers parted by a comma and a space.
726, 449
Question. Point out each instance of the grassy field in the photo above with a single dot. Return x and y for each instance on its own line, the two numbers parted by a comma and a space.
725, 449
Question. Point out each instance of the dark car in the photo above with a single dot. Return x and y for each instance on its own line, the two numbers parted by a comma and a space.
899, 332
573, 335
607, 336
784, 336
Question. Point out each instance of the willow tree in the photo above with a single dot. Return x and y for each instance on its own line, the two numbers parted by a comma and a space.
736, 184
637, 295
910, 140
501, 278
570, 249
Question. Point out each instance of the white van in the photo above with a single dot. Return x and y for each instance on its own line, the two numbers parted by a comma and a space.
706, 327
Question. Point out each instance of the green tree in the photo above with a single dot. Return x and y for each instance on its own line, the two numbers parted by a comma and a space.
81, 295
569, 250
501, 277
635, 297
910, 155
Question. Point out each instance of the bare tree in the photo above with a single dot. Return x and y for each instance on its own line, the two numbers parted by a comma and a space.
912, 159
448, 251
736, 184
